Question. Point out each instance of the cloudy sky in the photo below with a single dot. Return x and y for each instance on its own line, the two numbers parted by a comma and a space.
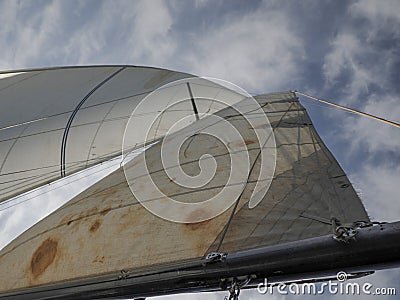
344, 51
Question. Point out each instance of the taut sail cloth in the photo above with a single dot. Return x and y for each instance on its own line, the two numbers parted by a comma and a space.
54, 122
106, 229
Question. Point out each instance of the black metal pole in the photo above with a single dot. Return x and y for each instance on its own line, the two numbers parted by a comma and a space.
196, 113
376, 247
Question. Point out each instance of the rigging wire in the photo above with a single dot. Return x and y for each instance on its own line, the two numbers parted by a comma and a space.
392, 123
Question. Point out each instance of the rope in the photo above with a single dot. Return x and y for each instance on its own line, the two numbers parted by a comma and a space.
395, 124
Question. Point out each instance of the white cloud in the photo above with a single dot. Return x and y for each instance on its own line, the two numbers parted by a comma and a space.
151, 30
381, 13
360, 70
36, 34
379, 186
346, 53
201, 3
377, 137
364, 50
8, 12
58, 33
121, 32
258, 51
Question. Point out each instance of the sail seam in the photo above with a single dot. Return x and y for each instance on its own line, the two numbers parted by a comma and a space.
71, 118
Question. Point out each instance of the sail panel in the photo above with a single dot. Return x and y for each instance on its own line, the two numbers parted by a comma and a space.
105, 229
308, 190
46, 92
66, 118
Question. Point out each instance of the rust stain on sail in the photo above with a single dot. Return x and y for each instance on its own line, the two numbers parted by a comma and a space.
199, 214
98, 242
95, 226
43, 257
98, 259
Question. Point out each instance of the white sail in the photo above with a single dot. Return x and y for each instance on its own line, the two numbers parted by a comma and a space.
105, 229
54, 122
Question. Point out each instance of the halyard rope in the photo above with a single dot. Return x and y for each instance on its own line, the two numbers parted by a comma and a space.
395, 124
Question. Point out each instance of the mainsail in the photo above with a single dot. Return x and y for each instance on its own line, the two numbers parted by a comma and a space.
58, 121
105, 230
